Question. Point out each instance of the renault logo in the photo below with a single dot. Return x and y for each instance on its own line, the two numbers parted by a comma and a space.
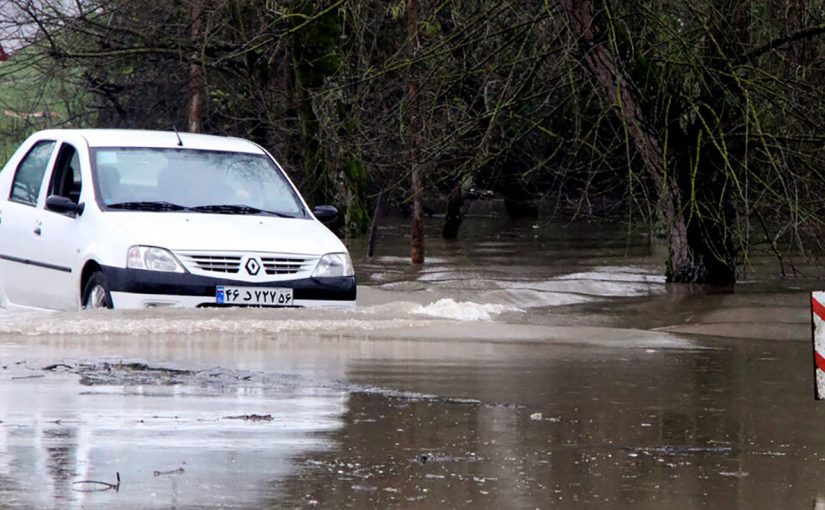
253, 266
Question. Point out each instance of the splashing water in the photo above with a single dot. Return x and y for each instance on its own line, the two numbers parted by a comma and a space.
462, 311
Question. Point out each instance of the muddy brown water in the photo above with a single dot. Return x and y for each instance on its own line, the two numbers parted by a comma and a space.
528, 365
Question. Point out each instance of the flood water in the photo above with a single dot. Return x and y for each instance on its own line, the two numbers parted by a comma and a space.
527, 365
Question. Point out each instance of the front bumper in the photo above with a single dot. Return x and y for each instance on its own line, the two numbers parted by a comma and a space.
138, 288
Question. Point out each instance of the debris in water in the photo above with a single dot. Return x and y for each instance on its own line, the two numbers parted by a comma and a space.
56, 366
734, 474
364, 488
770, 454
429, 457
97, 486
250, 417
130, 372
685, 450
412, 396
536, 416
178, 471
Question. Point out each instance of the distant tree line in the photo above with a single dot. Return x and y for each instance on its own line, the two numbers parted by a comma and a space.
699, 118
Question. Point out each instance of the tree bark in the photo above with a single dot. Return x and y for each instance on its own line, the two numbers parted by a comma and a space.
417, 242
197, 82
614, 81
454, 215
373, 233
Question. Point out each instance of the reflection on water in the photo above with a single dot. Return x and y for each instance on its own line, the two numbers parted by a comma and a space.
524, 366
729, 427
170, 444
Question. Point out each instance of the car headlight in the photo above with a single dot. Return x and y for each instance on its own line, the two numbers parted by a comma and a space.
334, 264
152, 259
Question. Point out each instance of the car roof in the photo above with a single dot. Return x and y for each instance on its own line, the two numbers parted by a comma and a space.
156, 139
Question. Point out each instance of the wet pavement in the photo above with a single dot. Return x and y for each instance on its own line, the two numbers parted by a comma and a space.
526, 366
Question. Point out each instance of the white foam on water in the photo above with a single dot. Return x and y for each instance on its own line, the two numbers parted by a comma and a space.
616, 274
405, 304
530, 298
603, 282
570, 284
391, 308
188, 327
382, 311
462, 311
183, 322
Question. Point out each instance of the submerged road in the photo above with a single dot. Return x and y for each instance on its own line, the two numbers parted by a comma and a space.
578, 379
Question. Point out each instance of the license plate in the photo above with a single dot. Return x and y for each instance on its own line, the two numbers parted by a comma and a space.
253, 296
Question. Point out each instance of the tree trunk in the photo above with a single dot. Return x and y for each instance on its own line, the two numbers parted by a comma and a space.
373, 233
688, 254
454, 215
197, 83
417, 242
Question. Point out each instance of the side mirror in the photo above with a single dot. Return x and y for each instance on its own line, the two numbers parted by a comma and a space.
63, 205
325, 213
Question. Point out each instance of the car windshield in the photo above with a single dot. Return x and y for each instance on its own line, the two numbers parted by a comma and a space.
146, 179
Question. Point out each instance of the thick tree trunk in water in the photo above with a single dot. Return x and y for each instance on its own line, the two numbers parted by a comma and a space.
453, 215
687, 254
704, 156
417, 243
197, 82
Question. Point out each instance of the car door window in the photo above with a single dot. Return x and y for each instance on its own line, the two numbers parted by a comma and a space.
29, 176
66, 181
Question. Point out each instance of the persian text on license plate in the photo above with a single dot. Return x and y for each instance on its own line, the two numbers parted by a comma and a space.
254, 296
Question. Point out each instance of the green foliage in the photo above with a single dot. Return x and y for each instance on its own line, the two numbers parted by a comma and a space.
356, 172
430, 28
397, 9
316, 48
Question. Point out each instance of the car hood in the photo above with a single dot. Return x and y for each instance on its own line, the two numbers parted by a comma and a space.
224, 232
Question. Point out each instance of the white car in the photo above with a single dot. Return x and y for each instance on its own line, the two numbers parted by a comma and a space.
138, 219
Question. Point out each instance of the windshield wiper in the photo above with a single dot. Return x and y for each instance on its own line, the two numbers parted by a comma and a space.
237, 209
148, 206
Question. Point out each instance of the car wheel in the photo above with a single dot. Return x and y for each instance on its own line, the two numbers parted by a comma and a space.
96, 293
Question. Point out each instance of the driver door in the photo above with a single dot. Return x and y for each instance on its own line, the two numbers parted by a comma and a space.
63, 234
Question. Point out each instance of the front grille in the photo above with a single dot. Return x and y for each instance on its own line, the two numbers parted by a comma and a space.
285, 265
214, 263
232, 262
